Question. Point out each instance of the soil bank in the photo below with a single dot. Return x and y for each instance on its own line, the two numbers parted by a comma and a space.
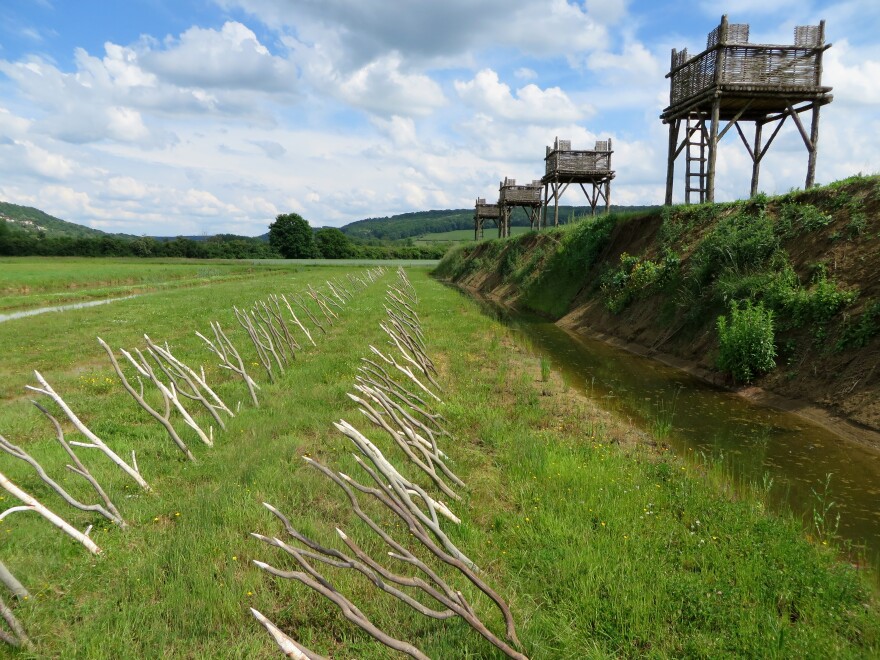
656, 284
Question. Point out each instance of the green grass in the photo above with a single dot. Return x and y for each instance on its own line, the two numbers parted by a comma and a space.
29, 282
602, 550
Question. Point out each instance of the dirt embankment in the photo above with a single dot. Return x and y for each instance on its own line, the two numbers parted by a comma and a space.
656, 284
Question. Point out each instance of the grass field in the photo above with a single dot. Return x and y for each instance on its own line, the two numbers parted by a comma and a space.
603, 545
30, 282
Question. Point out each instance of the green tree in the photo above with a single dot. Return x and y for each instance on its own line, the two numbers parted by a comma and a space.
292, 236
333, 244
4, 235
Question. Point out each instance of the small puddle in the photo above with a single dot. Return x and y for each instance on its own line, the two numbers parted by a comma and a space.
63, 308
754, 443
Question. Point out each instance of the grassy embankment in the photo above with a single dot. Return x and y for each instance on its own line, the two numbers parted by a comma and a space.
603, 547
805, 260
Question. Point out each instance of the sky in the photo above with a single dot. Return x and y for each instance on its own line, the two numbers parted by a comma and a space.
188, 117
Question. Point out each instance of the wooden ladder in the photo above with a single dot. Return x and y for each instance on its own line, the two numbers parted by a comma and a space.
695, 155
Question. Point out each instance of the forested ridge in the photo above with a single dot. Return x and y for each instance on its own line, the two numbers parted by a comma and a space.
408, 225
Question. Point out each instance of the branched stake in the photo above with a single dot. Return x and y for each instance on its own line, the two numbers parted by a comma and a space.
79, 469
259, 340
328, 313
12, 583
230, 359
428, 582
17, 637
274, 308
32, 504
163, 418
405, 371
94, 441
267, 326
19, 453
408, 495
302, 305
187, 382
288, 646
297, 321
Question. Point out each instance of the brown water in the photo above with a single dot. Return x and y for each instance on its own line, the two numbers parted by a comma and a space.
754, 443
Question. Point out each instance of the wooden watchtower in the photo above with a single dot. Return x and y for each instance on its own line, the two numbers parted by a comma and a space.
484, 211
526, 196
734, 81
563, 167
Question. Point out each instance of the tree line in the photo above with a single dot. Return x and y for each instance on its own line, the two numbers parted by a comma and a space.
327, 243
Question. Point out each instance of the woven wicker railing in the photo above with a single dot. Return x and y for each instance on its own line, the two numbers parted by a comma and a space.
530, 193
579, 162
751, 65
484, 210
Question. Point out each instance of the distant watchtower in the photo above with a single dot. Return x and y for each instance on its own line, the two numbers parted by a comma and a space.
735, 81
483, 211
527, 197
564, 167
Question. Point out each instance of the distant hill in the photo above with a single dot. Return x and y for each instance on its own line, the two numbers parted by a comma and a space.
407, 225
35, 221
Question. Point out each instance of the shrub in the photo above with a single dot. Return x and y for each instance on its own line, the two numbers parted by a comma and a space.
857, 334
746, 341
636, 278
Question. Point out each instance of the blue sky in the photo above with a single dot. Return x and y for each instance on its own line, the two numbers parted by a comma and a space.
168, 117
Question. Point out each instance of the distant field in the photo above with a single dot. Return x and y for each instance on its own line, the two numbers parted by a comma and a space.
463, 235
31, 282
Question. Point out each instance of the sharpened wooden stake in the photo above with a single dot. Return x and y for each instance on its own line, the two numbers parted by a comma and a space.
94, 441
32, 504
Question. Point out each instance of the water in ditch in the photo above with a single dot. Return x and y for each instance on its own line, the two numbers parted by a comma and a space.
62, 308
754, 443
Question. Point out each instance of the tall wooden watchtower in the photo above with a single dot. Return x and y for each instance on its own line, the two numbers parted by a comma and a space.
525, 196
734, 81
482, 212
563, 167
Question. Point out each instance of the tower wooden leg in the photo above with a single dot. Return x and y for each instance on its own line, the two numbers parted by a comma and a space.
556, 207
814, 143
674, 126
713, 151
756, 158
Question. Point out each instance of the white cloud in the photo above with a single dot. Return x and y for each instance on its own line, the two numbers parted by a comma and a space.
12, 126
739, 8
271, 148
531, 104
525, 73
41, 162
400, 130
229, 58
853, 74
64, 202
124, 188
382, 87
426, 31
124, 95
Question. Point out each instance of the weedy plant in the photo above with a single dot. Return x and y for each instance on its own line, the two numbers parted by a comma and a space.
746, 348
545, 369
825, 523
662, 425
